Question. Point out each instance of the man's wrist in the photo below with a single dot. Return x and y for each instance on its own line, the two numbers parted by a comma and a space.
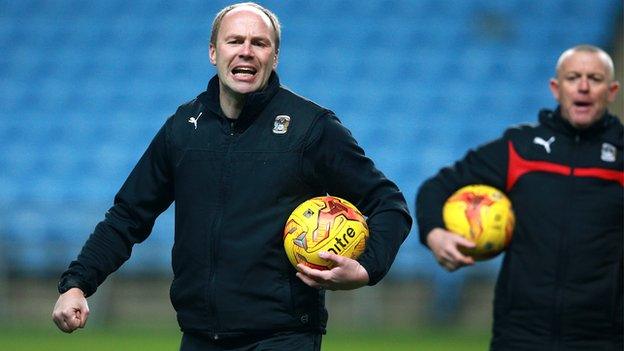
66, 284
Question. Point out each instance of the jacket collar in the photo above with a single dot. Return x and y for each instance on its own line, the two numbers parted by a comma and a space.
554, 120
254, 102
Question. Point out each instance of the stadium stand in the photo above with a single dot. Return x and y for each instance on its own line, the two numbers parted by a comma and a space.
84, 85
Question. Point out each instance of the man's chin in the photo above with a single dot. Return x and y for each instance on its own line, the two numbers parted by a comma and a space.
245, 88
582, 121
240, 89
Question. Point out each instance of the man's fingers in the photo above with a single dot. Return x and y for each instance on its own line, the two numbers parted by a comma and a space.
460, 240
450, 267
319, 279
460, 258
71, 310
447, 264
305, 269
64, 326
468, 261
60, 323
83, 318
337, 259
308, 281
68, 321
452, 259
455, 256
74, 322
315, 274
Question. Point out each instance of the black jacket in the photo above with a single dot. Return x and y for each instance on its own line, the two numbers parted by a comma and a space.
560, 284
234, 183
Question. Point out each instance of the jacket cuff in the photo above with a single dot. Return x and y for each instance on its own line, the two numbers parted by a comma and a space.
68, 282
373, 277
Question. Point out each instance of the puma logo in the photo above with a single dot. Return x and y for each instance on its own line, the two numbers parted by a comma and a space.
194, 120
544, 143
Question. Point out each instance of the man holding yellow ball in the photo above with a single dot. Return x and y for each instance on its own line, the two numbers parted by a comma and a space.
560, 284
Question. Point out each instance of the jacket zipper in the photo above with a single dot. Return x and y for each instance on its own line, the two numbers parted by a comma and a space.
215, 238
563, 255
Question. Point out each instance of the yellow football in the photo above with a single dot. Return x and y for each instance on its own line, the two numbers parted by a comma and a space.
325, 223
482, 214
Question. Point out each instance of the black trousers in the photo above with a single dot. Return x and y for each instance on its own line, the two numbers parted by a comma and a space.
282, 341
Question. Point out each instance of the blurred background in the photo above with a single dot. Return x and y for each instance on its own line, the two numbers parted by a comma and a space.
85, 85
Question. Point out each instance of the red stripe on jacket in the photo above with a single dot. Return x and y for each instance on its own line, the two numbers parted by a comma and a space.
518, 166
602, 173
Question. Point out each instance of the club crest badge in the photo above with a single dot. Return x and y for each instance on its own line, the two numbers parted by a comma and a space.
608, 152
280, 126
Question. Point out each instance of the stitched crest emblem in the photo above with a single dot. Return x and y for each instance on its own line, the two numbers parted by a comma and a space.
608, 152
280, 126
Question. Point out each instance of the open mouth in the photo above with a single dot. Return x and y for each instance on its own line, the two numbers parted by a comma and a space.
244, 71
582, 104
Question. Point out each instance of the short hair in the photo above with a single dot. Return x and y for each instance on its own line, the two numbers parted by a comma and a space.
606, 59
216, 24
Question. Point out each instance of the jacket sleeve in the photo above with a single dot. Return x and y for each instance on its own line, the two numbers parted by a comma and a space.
146, 193
486, 164
334, 162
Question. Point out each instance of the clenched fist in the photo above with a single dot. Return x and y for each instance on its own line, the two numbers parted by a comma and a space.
71, 310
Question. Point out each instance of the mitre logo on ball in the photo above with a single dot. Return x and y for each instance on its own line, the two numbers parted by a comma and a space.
325, 223
483, 215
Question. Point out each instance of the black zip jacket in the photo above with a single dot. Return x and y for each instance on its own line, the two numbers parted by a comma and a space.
234, 183
560, 284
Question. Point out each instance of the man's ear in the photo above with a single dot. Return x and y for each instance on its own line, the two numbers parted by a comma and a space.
212, 54
554, 88
614, 87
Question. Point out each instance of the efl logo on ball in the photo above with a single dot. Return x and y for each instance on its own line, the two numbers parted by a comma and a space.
483, 215
325, 223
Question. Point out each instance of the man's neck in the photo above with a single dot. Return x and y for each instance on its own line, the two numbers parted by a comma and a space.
231, 105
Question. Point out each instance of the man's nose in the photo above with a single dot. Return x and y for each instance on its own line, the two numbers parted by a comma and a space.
583, 85
246, 49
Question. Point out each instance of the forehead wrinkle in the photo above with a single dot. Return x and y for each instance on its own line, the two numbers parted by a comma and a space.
607, 68
584, 67
247, 23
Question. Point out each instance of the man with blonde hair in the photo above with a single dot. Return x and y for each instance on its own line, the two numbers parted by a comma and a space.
237, 160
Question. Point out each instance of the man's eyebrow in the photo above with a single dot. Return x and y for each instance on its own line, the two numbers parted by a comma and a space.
254, 37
